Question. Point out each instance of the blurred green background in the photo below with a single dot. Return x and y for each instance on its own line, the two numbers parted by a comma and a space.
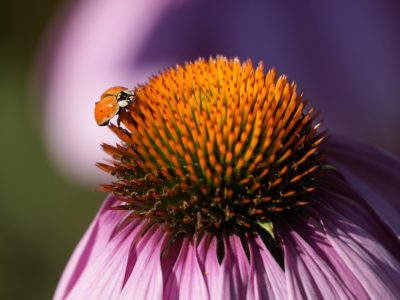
42, 215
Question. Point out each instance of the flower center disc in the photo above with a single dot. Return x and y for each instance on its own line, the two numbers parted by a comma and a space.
214, 144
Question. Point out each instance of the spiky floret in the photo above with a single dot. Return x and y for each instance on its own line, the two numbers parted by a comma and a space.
214, 144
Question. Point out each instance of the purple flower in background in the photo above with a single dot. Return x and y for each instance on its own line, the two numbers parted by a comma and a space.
345, 55
225, 188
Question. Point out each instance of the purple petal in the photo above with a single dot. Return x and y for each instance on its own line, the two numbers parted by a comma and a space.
341, 198
91, 245
308, 273
358, 245
146, 279
342, 250
207, 254
103, 278
374, 175
235, 269
186, 281
266, 278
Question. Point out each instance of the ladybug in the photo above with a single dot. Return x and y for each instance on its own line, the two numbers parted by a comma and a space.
111, 102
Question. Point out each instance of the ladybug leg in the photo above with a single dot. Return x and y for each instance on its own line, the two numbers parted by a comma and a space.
121, 113
119, 117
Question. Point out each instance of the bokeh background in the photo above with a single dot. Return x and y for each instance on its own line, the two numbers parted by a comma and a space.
42, 212
345, 57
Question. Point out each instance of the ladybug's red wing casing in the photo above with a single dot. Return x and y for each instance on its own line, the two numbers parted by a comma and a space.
113, 91
106, 109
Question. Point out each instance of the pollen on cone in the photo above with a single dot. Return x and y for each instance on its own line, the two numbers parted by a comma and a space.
219, 130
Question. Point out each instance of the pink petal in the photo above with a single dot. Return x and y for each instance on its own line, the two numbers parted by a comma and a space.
103, 278
92, 243
342, 250
207, 254
374, 174
342, 199
371, 263
186, 281
266, 278
235, 269
308, 274
146, 279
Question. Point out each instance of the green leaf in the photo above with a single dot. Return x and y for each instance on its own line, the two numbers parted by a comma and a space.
268, 227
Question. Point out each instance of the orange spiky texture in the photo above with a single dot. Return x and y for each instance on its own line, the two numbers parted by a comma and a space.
213, 144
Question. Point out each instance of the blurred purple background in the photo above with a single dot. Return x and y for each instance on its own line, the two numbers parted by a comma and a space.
343, 56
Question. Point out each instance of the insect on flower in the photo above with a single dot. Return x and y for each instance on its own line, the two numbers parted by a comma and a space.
225, 188
111, 102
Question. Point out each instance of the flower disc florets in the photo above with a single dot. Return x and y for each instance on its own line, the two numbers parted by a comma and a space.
214, 144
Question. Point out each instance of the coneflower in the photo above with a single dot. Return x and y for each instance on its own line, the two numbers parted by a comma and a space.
226, 189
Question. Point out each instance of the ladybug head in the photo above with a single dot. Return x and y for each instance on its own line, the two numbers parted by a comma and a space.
125, 97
